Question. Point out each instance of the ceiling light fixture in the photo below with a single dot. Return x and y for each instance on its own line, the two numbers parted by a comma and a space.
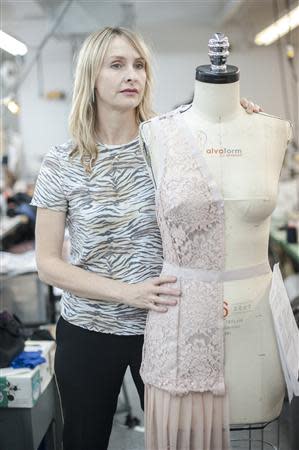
279, 28
11, 105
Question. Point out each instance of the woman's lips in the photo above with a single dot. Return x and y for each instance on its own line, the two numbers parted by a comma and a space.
129, 92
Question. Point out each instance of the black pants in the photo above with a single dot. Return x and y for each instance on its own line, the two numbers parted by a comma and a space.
90, 367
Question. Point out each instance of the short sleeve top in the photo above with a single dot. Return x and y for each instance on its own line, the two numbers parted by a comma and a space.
111, 219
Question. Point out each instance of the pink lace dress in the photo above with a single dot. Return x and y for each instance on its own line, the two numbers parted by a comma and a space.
186, 406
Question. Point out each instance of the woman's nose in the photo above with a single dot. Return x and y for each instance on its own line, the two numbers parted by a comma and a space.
130, 74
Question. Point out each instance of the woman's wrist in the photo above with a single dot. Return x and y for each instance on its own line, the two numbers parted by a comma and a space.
119, 291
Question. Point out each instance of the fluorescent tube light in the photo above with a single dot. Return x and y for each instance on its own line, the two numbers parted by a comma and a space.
12, 45
279, 28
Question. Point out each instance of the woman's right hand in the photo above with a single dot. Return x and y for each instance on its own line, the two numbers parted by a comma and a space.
146, 295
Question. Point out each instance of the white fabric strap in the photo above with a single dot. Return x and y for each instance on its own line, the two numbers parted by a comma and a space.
214, 275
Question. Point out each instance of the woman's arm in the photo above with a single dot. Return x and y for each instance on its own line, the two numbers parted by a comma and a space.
53, 270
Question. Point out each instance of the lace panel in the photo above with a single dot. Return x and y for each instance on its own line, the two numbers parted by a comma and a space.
184, 348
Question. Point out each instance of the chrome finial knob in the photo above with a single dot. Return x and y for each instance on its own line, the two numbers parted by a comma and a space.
218, 52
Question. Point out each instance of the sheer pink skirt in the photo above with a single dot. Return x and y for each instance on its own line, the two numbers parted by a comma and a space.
196, 421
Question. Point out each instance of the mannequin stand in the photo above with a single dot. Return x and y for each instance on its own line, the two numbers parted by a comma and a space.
253, 442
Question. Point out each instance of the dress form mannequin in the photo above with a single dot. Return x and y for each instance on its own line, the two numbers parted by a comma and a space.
244, 155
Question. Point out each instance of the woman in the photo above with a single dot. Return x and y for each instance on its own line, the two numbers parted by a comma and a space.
105, 195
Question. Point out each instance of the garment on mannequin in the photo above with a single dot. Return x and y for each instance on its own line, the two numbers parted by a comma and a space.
216, 173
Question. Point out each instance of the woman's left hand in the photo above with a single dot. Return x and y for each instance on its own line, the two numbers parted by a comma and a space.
249, 106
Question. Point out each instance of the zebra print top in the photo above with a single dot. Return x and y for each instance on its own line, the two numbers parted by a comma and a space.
112, 224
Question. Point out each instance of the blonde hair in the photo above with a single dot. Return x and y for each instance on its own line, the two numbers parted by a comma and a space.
82, 119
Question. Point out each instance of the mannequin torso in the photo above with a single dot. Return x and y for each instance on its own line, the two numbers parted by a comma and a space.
244, 156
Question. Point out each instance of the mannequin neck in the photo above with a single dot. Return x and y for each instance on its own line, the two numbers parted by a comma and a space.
216, 101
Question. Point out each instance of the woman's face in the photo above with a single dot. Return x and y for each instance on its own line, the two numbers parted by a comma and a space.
121, 81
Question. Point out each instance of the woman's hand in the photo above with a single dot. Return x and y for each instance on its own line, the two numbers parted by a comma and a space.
249, 106
146, 294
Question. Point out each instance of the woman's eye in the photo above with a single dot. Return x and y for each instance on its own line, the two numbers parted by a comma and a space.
140, 66
116, 65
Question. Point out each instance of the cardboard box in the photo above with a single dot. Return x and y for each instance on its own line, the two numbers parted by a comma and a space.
19, 388
48, 351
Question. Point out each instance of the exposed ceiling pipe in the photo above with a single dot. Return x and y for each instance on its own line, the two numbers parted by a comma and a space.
128, 19
36, 57
49, 6
229, 10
